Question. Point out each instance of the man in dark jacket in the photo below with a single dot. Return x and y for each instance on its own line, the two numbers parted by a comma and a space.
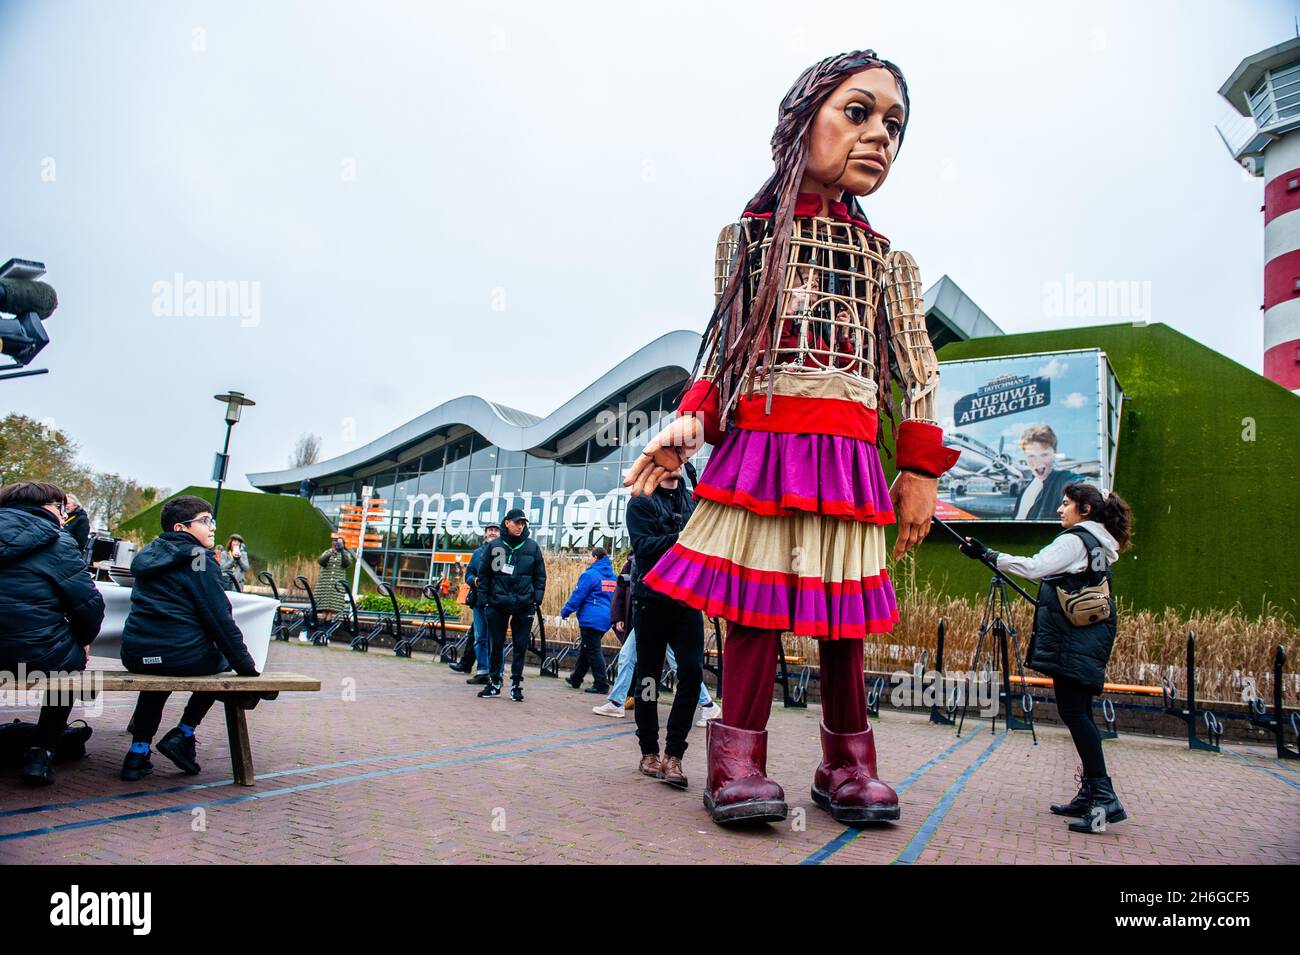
52, 610
653, 523
479, 645
513, 580
180, 624
77, 523
591, 600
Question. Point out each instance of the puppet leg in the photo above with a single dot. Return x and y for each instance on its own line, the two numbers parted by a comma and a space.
846, 783
738, 789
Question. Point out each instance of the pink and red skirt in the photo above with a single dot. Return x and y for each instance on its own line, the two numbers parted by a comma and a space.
788, 534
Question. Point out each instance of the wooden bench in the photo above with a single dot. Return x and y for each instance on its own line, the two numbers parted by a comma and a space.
239, 694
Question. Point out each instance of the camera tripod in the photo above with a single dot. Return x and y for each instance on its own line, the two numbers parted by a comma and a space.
996, 623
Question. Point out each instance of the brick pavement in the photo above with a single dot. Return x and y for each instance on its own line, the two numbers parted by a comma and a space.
416, 769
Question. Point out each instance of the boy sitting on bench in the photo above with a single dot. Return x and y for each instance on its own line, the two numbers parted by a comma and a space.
180, 624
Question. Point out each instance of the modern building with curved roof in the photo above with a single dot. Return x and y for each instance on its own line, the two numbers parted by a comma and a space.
469, 460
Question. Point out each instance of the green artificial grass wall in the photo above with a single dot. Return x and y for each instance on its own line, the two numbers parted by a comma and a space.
1214, 512
277, 528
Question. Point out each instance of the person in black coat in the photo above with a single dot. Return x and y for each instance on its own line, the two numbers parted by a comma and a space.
180, 624
511, 581
52, 609
77, 523
653, 523
1096, 530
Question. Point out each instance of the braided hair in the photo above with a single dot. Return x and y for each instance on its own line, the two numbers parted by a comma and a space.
735, 345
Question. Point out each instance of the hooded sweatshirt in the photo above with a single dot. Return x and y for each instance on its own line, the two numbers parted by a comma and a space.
180, 617
49, 605
592, 596
1065, 555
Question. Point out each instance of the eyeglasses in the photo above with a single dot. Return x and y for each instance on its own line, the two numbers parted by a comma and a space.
204, 520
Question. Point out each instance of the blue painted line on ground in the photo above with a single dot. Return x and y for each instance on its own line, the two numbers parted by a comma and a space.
277, 774
305, 787
848, 835
916, 845
1289, 765
1290, 782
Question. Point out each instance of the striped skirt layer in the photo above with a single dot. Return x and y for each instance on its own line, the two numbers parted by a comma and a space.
777, 475
810, 574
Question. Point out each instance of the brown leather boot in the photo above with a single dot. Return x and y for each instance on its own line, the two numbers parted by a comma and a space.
846, 783
651, 766
671, 772
738, 789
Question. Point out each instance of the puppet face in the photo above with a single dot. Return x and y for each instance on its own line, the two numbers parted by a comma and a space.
855, 134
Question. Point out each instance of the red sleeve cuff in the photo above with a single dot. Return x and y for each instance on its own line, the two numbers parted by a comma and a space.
701, 400
920, 448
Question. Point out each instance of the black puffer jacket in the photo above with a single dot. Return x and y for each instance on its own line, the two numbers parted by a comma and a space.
518, 589
50, 606
180, 616
1060, 649
653, 523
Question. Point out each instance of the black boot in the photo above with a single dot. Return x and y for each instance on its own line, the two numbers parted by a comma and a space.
1077, 806
179, 748
136, 766
38, 767
1103, 807
457, 668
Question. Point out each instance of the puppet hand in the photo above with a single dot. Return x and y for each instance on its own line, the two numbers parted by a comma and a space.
913, 496
665, 454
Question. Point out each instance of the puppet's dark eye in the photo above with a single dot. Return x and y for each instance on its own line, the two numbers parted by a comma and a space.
856, 113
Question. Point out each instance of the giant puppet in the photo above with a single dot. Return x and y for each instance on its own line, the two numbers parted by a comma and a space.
814, 317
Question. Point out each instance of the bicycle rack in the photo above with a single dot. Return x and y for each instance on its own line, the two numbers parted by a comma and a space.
403, 642
551, 665
311, 620
1258, 712
795, 698
447, 648
668, 679
541, 653
1108, 716
287, 620
874, 694
1213, 725
944, 718
715, 668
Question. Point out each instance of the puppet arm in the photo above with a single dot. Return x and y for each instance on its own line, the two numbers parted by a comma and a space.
920, 439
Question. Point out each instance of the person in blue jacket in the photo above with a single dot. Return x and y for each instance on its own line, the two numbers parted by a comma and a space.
590, 601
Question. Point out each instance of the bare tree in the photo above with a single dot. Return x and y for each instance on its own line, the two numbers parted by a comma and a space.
306, 451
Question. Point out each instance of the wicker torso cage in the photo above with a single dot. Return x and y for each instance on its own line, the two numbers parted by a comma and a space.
831, 297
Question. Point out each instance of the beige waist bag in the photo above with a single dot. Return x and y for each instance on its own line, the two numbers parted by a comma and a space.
1087, 605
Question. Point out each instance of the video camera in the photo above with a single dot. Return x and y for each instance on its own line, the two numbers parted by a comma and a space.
31, 302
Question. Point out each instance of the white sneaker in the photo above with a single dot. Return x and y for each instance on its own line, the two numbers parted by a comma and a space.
608, 709
709, 714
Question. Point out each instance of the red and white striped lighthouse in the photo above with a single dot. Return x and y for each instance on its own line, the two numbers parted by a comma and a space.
1265, 88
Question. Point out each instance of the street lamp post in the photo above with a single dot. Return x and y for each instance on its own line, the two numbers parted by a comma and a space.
234, 401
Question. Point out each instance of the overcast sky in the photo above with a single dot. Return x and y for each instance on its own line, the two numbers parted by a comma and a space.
421, 201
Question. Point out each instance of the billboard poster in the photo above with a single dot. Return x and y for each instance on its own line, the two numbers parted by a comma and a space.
1026, 426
